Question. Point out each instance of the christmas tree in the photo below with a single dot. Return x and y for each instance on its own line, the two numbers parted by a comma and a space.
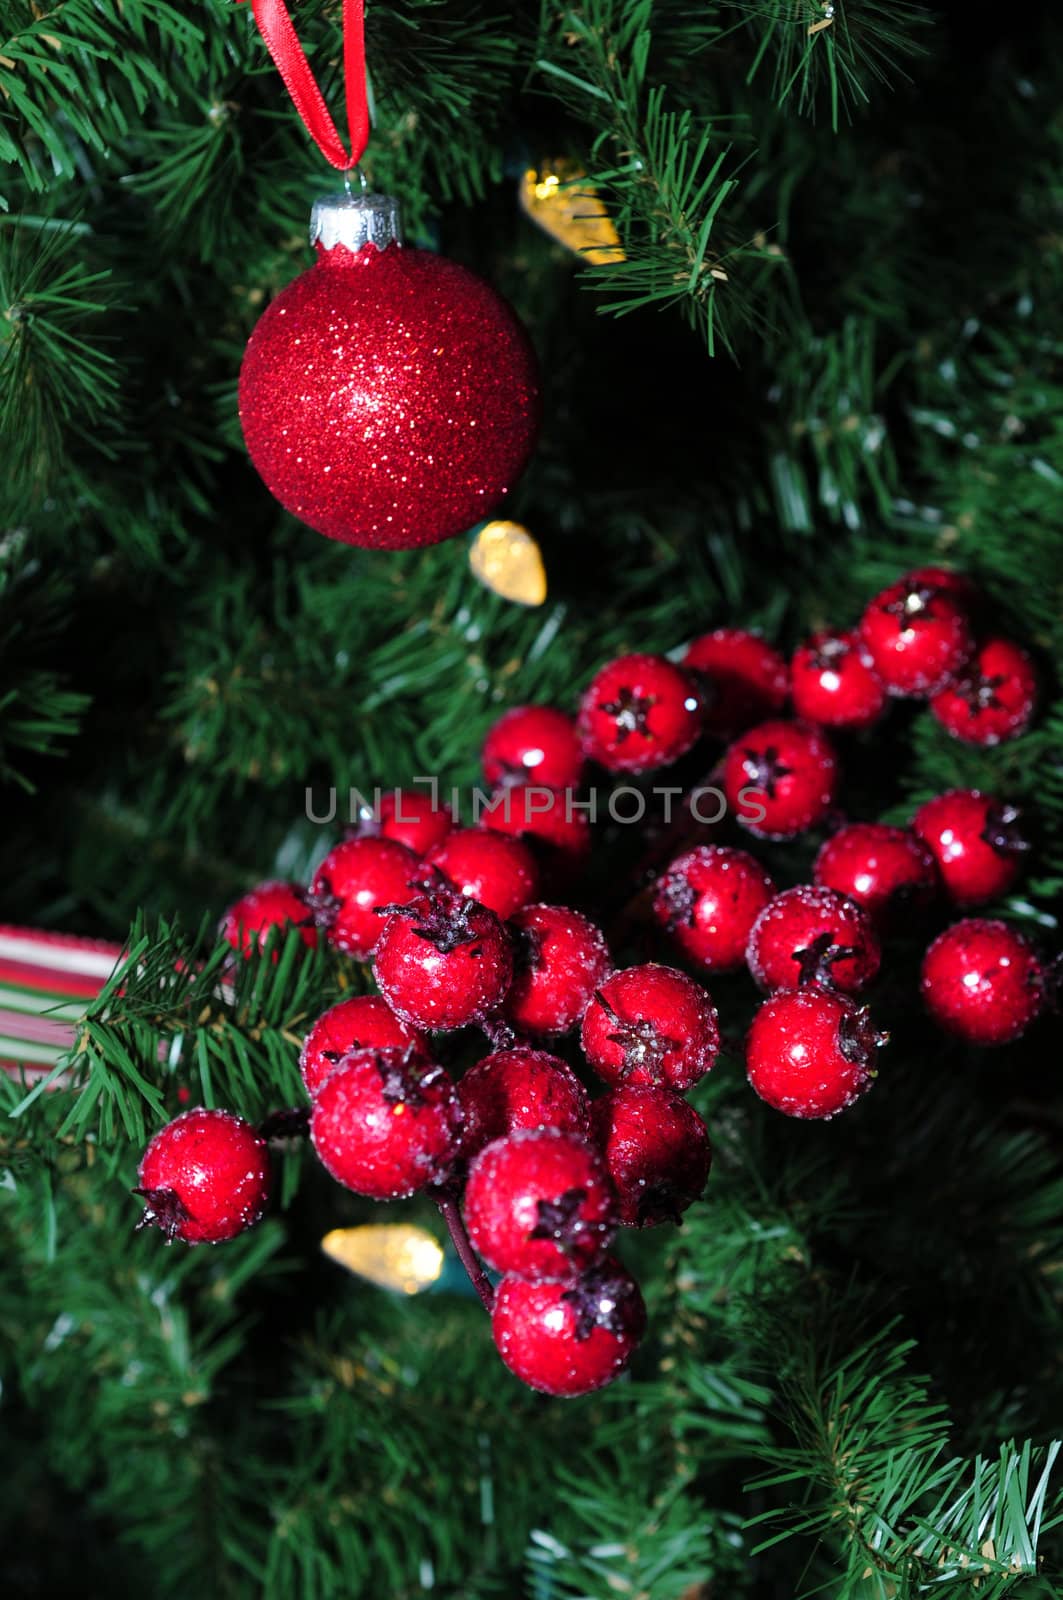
792, 273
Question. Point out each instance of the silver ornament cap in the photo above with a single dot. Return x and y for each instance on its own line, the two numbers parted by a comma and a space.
355, 220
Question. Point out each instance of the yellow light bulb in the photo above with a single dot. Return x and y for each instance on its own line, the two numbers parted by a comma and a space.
393, 1255
506, 558
559, 198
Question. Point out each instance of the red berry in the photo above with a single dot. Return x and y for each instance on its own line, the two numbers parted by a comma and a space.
356, 878
983, 981
886, 870
834, 683
534, 744
497, 871
409, 816
976, 842
742, 679
918, 635
656, 1151
386, 1123
516, 1091
639, 712
559, 959
651, 1024
246, 924
810, 1052
364, 1023
204, 1177
963, 589
569, 1339
443, 961
551, 820
708, 900
780, 778
993, 698
813, 935
540, 1205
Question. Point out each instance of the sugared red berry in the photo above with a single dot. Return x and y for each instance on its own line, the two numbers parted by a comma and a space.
534, 744
993, 698
780, 778
497, 871
813, 935
551, 821
811, 1052
976, 841
365, 1022
540, 1205
569, 1339
559, 959
639, 712
409, 816
833, 682
708, 900
918, 635
983, 981
656, 1151
204, 1178
247, 924
742, 679
651, 1024
386, 1123
443, 961
886, 870
519, 1090
356, 877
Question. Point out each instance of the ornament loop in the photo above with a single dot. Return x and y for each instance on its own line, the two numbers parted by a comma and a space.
363, 180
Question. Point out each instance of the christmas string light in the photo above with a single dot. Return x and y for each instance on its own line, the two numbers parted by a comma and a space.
391, 1255
506, 558
560, 200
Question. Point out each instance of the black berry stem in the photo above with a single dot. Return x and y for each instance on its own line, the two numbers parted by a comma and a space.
450, 1211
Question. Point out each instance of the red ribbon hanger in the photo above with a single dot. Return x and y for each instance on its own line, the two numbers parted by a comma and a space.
278, 31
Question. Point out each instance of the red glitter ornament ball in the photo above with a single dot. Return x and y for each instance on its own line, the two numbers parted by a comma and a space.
559, 959
365, 1022
569, 1339
742, 679
983, 981
886, 870
519, 1090
993, 698
656, 1151
388, 396
534, 744
708, 900
834, 683
355, 878
497, 871
780, 778
977, 842
247, 924
813, 935
540, 1204
651, 1024
811, 1052
204, 1178
386, 1123
639, 712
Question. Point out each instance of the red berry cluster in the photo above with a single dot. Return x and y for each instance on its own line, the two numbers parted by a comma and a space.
544, 1176
533, 1177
